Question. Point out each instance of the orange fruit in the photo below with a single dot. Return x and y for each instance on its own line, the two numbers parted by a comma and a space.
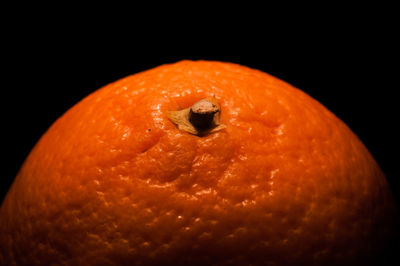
115, 181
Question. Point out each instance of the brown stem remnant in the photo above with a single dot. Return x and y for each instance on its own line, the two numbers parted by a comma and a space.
200, 119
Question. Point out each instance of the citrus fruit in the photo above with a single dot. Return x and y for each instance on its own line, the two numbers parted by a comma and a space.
130, 176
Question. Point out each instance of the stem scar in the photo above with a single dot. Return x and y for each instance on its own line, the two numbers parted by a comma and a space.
199, 119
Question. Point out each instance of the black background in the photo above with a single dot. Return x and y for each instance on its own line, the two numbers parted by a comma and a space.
352, 79
345, 57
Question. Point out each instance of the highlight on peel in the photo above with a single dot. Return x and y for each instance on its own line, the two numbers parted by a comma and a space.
198, 163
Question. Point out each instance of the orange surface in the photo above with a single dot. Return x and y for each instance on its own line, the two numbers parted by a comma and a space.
113, 181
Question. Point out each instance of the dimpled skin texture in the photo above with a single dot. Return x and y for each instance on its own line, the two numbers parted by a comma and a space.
114, 182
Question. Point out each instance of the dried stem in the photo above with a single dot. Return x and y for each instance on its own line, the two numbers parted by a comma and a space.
200, 119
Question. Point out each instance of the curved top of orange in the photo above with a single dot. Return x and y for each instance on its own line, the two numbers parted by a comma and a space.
115, 181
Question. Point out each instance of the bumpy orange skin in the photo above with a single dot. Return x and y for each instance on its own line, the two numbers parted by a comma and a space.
114, 182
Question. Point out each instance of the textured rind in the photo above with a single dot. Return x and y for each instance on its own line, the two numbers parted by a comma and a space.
114, 182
